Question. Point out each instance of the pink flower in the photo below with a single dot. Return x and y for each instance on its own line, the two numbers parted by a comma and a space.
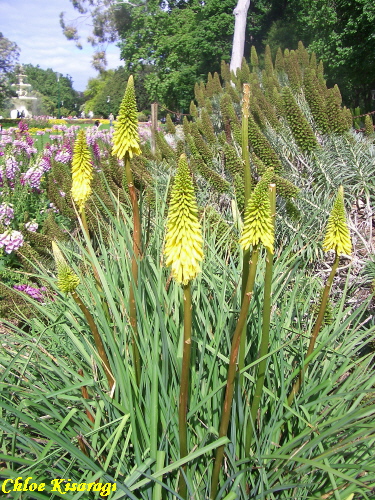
63, 156
6, 213
33, 177
23, 126
11, 167
35, 293
31, 226
45, 164
11, 240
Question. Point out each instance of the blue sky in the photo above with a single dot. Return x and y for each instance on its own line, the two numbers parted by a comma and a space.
34, 26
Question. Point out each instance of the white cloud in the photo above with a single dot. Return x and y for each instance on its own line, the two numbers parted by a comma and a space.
34, 26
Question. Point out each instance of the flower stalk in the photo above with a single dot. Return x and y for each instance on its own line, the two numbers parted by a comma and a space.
184, 384
126, 143
258, 228
263, 350
97, 338
232, 369
184, 252
137, 242
337, 238
248, 185
67, 282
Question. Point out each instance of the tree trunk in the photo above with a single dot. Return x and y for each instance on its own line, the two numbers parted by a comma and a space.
240, 15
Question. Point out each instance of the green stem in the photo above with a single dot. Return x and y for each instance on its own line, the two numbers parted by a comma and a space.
184, 386
137, 238
86, 231
263, 350
154, 410
227, 405
160, 459
314, 335
97, 338
95, 271
248, 185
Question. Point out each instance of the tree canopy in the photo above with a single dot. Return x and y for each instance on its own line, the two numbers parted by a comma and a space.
9, 53
341, 33
182, 40
45, 82
111, 84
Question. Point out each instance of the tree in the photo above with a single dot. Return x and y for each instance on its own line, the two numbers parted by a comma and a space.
108, 17
341, 34
45, 82
181, 40
111, 84
9, 53
238, 46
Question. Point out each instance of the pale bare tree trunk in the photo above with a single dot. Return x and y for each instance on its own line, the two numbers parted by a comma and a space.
240, 15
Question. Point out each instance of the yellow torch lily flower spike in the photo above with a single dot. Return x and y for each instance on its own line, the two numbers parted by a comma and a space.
81, 171
258, 226
67, 280
337, 236
183, 242
126, 137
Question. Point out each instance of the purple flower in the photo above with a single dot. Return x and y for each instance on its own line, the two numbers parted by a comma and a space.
31, 226
96, 150
35, 293
11, 240
6, 139
52, 208
40, 132
30, 150
33, 177
11, 167
29, 139
47, 152
63, 156
62, 193
6, 213
23, 126
45, 164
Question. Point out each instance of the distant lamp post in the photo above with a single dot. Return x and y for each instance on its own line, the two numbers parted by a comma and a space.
58, 94
373, 95
108, 102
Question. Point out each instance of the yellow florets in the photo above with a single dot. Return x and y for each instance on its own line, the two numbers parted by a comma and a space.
337, 236
81, 171
258, 225
183, 242
126, 137
67, 280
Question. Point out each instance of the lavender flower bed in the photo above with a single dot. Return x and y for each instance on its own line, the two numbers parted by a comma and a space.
34, 186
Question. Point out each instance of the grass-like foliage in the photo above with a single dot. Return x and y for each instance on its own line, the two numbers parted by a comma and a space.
320, 447
237, 372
